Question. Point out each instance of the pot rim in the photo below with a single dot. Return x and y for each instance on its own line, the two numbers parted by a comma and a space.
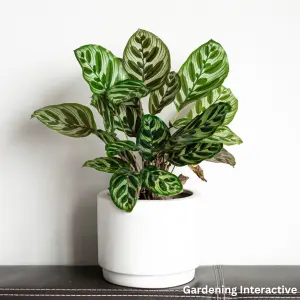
194, 194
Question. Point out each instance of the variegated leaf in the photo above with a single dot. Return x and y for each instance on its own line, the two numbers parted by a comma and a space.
198, 171
124, 91
71, 119
160, 181
107, 138
147, 58
201, 127
100, 68
115, 148
107, 164
180, 123
224, 135
193, 154
165, 94
124, 189
223, 157
204, 70
220, 94
131, 118
102, 105
151, 137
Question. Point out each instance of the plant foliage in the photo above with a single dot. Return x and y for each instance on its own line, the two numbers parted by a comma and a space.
142, 160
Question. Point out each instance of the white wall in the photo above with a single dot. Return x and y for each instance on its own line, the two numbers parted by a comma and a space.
47, 207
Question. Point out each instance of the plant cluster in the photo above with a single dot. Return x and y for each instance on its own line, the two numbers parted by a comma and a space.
118, 86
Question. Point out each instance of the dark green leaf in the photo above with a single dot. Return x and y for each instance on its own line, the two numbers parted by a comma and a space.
201, 127
124, 189
224, 135
151, 137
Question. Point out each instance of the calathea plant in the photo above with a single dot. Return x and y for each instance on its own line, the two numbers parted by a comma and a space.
141, 168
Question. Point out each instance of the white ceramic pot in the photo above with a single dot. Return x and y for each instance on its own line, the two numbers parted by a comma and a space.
154, 246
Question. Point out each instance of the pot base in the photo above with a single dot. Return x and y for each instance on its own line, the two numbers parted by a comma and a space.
149, 281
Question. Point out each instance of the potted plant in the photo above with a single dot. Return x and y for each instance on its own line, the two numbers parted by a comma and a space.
147, 223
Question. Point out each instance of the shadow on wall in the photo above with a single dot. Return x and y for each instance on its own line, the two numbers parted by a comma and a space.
67, 191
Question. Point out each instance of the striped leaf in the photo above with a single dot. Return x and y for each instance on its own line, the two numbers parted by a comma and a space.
107, 164
152, 136
124, 189
180, 123
193, 154
160, 181
102, 105
115, 148
220, 94
147, 58
107, 138
204, 70
201, 127
124, 91
165, 94
100, 68
223, 157
131, 118
224, 135
71, 119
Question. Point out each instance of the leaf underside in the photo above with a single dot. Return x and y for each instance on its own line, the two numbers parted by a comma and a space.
223, 157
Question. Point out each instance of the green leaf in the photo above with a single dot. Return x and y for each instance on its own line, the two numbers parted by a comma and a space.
151, 137
71, 119
201, 127
193, 154
220, 94
106, 137
115, 148
107, 164
124, 189
131, 118
204, 70
165, 94
147, 58
223, 157
181, 123
104, 109
160, 181
124, 91
224, 135
100, 68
